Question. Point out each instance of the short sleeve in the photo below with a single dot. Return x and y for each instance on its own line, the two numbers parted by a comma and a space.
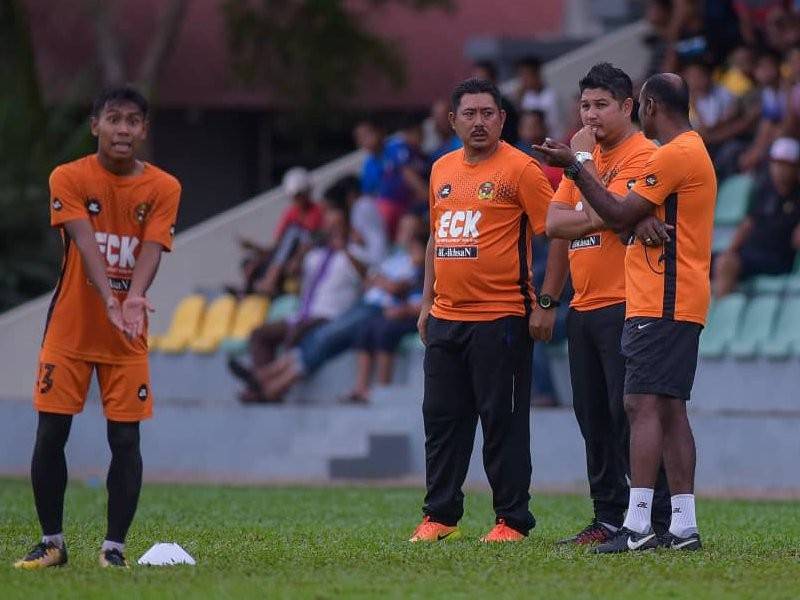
662, 175
567, 193
66, 203
160, 227
626, 177
534, 193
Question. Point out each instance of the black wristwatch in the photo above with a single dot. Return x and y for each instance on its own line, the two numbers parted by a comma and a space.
547, 302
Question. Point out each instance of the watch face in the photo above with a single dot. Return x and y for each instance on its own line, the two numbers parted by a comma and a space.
545, 301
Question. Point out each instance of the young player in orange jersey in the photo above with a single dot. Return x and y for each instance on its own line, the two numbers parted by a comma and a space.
116, 214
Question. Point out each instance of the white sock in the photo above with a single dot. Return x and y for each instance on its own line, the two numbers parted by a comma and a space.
684, 521
109, 545
640, 506
57, 539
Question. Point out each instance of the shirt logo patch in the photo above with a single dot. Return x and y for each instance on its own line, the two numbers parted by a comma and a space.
590, 241
486, 191
142, 393
172, 230
630, 184
141, 212
445, 190
650, 180
93, 206
57, 204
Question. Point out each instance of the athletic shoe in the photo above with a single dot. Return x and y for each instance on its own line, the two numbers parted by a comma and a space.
626, 540
503, 533
673, 542
113, 558
43, 555
431, 531
594, 533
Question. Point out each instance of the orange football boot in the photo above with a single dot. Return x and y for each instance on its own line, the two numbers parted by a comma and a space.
503, 533
431, 531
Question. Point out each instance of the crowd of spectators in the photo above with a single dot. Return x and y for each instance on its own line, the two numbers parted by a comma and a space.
741, 61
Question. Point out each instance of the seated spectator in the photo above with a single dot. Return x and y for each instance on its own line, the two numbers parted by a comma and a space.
378, 339
395, 277
264, 268
737, 76
368, 241
533, 130
369, 137
774, 111
446, 139
486, 70
767, 241
710, 104
330, 285
533, 94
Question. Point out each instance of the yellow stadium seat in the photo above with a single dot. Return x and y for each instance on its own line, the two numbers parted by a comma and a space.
216, 325
186, 321
252, 313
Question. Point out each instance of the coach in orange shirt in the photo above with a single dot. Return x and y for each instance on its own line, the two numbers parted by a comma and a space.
116, 215
597, 311
479, 313
667, 290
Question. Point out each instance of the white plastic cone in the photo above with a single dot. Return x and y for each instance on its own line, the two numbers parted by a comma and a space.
168, 553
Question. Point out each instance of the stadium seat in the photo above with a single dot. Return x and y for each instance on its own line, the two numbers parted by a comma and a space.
786, 337
756, 326
732, 200
723, 319
251, 313
185, 324
283, 307
216, 325
768, 284
721, 241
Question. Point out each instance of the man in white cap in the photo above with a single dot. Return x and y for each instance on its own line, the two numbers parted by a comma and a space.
767, 240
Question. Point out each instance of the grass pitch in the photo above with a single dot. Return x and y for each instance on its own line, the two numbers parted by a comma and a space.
350, 542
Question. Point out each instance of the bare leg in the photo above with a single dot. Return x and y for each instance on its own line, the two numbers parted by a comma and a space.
363, 374
385, 362
679, 447
647, 438
726, 274
277, 386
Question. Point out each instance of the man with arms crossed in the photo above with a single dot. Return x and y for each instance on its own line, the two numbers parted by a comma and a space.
667, 289
116, 214
486, 200
597, 311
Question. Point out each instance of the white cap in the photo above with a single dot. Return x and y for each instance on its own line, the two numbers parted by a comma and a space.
785, 149
296, 180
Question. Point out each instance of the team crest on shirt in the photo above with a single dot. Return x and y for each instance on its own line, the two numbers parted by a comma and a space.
143, 392
141, 212
57, 204
445, 190
93, 206
630, 184
486, 191
650, 180
172, 230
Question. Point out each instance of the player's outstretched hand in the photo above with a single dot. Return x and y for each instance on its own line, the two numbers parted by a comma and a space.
114, 312
555, 153
134, 316
653, 231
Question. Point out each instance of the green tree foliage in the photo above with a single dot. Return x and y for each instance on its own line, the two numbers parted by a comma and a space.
33, 140
313, 53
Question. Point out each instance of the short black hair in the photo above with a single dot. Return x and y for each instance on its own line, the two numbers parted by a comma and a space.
475, 86
539, 114
671, 94
606, 76
115, 95
489, 67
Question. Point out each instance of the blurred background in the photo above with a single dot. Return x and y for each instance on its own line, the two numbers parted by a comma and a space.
302, 130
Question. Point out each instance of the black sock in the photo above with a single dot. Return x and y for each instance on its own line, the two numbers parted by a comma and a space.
124, 480
49, 470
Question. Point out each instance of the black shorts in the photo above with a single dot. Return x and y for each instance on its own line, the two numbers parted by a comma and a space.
660, 356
